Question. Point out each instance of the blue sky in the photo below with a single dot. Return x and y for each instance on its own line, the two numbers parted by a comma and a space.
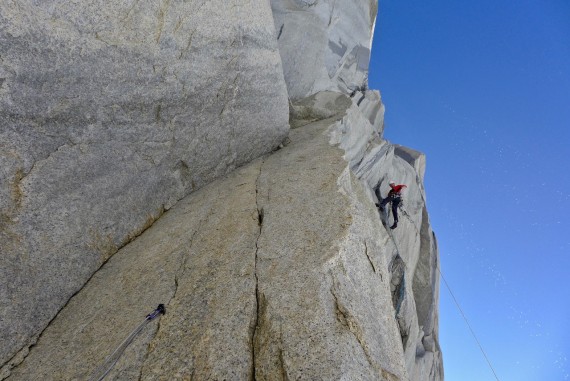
483, 88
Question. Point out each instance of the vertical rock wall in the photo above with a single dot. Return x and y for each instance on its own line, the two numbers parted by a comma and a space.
110, 112
283, 269
324, 44
325, 48
275, 272
413, 259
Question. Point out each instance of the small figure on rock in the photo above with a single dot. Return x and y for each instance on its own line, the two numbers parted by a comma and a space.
395, 197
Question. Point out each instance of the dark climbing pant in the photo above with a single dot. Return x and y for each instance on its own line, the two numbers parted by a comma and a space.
395, 202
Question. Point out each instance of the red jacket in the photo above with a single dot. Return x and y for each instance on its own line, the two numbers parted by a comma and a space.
396, 189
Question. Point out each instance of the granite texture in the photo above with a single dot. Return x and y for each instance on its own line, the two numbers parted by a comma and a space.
281, 270
116, 119
324, 44
110, 112
413, 259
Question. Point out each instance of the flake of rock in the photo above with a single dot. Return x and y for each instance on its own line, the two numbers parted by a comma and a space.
415, 293
325, 44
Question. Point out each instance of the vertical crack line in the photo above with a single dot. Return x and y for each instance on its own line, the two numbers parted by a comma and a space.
284, 373
349, 321
370, 259
257, 296
331, 14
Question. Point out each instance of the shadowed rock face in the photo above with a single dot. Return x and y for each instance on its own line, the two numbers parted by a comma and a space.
110, 112
324, 44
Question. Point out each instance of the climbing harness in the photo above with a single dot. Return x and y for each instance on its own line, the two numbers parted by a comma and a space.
101, 372
384, 214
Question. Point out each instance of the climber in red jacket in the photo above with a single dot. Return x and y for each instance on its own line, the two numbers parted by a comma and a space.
395, 197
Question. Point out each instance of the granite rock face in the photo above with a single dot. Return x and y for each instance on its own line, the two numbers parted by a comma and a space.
324, 44
110, 112
281, 270
275, 272
413, 258
116, 120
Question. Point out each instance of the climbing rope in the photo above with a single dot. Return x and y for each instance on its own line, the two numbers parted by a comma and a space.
384, 213
467, 322
385, 221
401, 207
101, 372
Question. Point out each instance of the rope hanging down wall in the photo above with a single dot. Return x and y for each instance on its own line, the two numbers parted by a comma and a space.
101, 372
467, 322
384, 218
